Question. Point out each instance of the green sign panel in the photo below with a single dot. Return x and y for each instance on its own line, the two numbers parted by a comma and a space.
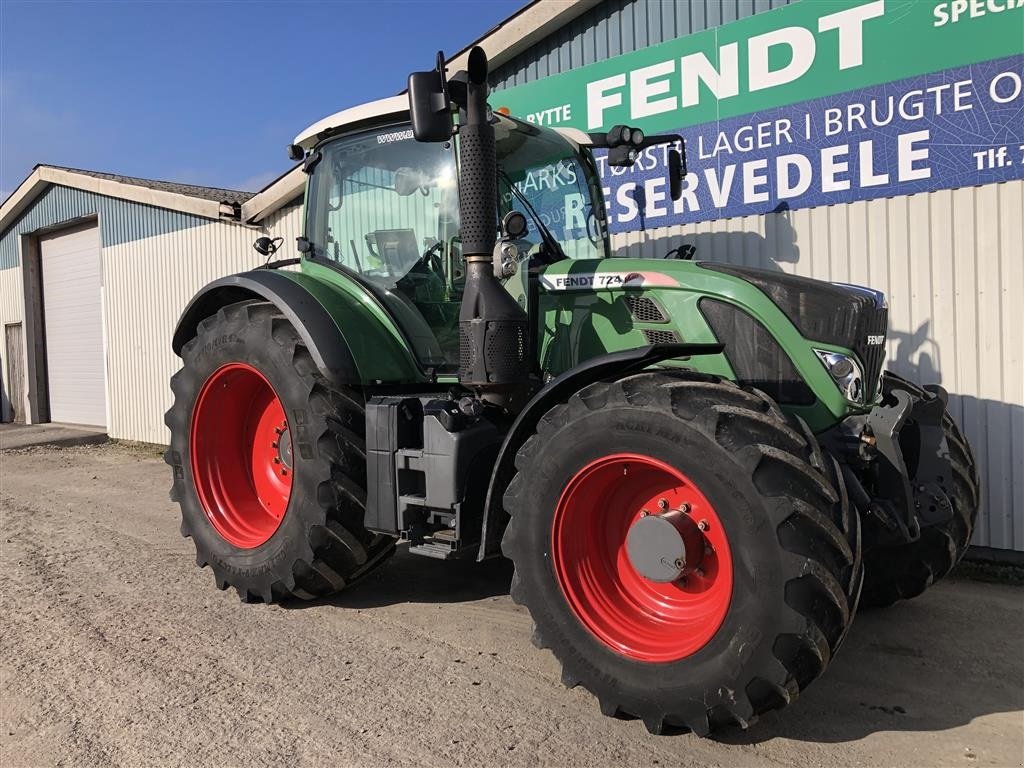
817, 103
803, 51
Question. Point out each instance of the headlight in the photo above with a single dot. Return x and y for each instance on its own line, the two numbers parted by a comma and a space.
845, 372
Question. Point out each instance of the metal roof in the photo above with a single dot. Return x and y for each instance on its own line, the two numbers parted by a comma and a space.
210, 202
216, 194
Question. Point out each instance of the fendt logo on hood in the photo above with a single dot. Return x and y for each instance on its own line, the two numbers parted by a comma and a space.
875, 340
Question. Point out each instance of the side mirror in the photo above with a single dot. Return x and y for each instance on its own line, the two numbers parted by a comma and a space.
295, 152
676, 173
429, 105
266, 246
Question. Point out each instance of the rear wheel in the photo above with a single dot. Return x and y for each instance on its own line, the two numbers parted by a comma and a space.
903, 572
703, 571
269, 461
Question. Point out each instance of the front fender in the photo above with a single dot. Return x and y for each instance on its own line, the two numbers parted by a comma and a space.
560, 389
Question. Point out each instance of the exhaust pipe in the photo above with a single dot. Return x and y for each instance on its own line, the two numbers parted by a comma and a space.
494, 336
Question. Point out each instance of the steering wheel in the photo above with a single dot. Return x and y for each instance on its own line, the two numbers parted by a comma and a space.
431, 258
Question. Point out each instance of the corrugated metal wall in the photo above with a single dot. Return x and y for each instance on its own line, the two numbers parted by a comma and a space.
123, 220
147, 283
12, 310
950, 261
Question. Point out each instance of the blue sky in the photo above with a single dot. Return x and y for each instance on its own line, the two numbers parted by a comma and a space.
204, 92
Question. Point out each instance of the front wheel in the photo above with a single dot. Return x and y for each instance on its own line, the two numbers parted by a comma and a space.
268, 461
685, 550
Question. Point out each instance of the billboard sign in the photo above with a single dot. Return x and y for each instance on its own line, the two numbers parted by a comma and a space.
816, 103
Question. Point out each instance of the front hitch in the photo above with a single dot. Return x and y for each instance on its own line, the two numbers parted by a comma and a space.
896, 462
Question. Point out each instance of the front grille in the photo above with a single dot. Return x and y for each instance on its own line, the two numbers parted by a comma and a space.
644, 309
872, 356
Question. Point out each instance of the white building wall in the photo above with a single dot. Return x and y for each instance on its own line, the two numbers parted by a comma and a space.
952, 265
147, 284
285, 223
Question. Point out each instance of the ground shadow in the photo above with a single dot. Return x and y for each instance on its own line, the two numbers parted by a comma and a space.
930, 664
409, 578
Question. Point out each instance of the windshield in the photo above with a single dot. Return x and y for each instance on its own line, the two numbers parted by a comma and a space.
385, 207
557, 183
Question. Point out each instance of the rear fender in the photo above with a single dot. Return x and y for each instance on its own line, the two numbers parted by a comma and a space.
347, 343
560, 389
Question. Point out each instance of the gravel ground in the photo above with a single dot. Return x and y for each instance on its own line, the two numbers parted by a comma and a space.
116, 650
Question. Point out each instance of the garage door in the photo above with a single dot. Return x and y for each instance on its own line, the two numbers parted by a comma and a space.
73, 321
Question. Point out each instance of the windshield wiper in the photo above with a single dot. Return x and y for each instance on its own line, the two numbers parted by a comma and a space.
545, 234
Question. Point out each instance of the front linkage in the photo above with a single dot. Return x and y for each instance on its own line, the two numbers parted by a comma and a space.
910, 471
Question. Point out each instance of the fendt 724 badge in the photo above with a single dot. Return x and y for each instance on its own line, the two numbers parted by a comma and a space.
606, 280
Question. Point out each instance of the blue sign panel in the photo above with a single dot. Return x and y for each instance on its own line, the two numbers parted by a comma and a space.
954, 128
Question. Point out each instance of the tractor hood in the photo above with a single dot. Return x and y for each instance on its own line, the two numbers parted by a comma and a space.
825, 315
849, 316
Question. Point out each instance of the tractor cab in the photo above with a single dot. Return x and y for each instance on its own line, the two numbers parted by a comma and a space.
384, 208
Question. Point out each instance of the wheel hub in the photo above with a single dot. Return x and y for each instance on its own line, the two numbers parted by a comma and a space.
665, 547
283, 444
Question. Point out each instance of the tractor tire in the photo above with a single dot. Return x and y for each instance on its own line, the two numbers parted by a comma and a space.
902, 572
269, 461
777, 584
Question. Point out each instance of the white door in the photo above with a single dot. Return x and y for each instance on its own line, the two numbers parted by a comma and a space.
73, 322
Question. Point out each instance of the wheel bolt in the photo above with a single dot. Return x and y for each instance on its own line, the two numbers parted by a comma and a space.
273, 445
699, 571
284, 471
662, 504
644, 513
684, 508
678, 563
277, 460
703, 525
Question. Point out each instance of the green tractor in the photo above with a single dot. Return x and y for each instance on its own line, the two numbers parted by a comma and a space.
698, 470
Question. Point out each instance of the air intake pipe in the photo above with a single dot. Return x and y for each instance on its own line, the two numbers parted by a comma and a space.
494, 336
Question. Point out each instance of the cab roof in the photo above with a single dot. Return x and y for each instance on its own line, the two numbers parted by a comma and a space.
393, 106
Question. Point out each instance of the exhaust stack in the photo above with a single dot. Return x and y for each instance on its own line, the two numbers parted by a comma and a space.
494, 342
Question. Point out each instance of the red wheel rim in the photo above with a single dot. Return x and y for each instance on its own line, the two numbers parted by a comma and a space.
241, 455
639, 618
